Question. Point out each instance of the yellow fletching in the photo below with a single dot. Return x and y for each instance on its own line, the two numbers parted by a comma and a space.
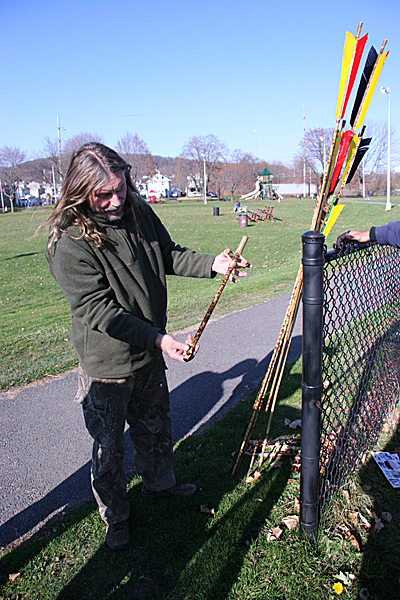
335, 212
346, 61
371, 89
350, 154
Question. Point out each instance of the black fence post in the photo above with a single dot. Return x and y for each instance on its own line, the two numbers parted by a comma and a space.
313, 263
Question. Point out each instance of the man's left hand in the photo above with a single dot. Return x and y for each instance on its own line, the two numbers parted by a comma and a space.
222, 262
172, 348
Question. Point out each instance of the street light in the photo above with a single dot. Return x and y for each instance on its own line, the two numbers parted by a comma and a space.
323, 140
386, 90
204, 183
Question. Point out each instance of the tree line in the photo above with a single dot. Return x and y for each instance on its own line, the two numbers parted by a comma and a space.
226, 172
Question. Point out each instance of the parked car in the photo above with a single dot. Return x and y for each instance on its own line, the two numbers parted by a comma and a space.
213, 195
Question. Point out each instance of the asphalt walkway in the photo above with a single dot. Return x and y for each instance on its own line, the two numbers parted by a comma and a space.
46, 450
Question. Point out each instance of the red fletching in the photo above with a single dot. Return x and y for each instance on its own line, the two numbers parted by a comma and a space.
344, 148
360, 45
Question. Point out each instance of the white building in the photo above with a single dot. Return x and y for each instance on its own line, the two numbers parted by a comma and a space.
294, 189
194, 186
158, 186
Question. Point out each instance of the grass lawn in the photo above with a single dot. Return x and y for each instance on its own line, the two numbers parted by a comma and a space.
35, 318
179, 552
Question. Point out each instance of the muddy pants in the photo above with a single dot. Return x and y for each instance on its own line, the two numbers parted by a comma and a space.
141, 400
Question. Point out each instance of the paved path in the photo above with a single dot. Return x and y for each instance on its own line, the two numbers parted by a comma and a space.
45, 448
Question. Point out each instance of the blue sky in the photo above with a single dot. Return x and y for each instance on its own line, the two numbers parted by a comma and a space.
171, 69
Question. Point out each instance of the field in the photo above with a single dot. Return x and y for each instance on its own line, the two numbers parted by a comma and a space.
180, 552
35, 319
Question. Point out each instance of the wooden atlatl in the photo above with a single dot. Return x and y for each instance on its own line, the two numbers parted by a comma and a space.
189, 354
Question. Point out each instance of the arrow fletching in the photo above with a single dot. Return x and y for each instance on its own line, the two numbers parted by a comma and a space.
355, 140
362, 86
362, 149
352, 53
335, 212
343, 150
374, 79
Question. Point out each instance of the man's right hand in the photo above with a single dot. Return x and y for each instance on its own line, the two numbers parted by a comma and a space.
172, 348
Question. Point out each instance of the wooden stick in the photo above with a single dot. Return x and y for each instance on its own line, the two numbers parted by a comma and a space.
283, 339
232, 265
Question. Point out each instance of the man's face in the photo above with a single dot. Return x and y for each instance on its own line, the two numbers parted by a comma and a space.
110, 198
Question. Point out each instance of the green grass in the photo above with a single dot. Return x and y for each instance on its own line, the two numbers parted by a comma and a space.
179, 553
35, 318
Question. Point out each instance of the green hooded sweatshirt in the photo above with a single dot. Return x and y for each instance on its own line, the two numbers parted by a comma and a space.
117, 293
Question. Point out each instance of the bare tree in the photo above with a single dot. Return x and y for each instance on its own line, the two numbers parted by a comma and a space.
237, 174
60, 163
202, 148
75, 142
312, 147
11, 159
50, 151
136, 153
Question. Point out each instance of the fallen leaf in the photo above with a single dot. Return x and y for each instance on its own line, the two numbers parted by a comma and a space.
352, 539
13, 576
353, 516
291, 521
346, 496
295, 424
364, 521
273, 534
386, 516
343, 578
297, 505
209, 511
378, 524
256, 476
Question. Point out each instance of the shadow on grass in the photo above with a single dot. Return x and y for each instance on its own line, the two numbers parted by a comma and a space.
380, 570
177, 551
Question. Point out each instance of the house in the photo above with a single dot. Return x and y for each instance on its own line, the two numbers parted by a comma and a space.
159, 185
194, 186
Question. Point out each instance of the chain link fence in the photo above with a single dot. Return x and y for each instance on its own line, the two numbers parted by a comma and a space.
360, 357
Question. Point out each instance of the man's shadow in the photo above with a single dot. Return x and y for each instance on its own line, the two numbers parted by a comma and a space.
195, 404
150, 569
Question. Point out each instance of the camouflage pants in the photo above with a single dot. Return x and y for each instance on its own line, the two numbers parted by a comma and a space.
142, 401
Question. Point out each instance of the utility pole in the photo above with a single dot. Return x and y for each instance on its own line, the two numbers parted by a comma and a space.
304, 151
2, 197
205, 179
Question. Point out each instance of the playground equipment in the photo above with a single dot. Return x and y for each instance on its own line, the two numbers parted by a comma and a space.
264, 188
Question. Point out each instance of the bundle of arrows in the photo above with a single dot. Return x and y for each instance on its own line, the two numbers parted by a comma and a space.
347, 149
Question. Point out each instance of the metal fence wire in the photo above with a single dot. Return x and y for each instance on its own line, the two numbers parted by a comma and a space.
360, 357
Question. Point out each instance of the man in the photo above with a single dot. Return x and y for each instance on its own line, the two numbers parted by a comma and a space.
110, 254
385, 234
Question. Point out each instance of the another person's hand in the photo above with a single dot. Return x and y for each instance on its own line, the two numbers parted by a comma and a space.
172, 348
354, 236
222, 261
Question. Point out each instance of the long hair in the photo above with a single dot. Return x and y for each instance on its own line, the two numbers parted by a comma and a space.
88, 171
